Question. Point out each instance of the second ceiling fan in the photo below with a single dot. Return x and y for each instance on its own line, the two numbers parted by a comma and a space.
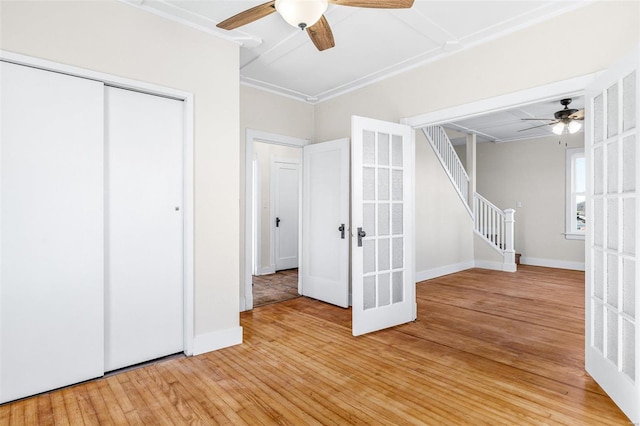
307, 15
565, 120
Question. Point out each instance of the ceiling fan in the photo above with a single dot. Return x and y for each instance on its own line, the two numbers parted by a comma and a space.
307, 14
566, 119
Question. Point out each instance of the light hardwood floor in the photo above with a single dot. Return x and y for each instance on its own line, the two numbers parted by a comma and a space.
487, 348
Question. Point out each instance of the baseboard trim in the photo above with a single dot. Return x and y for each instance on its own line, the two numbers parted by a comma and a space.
267, 270
443, 270
217, 340
552, 263
496, 266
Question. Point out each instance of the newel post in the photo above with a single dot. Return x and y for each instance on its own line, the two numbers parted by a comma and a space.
509, 221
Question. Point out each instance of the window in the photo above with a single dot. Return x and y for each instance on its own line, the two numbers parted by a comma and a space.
576, 194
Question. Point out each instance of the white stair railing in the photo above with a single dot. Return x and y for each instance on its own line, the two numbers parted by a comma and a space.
495, 226
449, 158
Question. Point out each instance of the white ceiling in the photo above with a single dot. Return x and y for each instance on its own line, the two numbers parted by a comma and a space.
371, 44
508, 126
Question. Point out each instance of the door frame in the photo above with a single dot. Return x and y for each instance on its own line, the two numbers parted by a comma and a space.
252, 136
565, 88
272, 193
187, 166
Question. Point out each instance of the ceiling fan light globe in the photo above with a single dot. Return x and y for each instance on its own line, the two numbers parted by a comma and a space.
301, 13
574, 126
558, 128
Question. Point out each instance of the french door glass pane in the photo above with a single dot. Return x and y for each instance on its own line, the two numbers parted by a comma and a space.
384, 291
612, 336
598, 275
383, 184
628, 287
629, 225
612, 168
628, 164
368, 184
369, 147
398, 253
383, 219
369, 218
629, 102
598, 225
398, 287
612, 110
612, 223
612, 280
628, 349
598, 116
396, 224
598, 171
397, 185
383, 254
383, 149
396, 151
598, 326
368, 256
369, 293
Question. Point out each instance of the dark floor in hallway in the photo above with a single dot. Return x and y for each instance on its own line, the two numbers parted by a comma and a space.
273, 288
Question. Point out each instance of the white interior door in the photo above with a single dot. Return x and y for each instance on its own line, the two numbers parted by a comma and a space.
144, 282
382, 224
324, 270
286, 212
51, 230
612, 294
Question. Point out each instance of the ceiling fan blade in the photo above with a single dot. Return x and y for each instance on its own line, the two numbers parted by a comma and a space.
535, 127
579, 115
321, 35
248, 16
375, 4
538, 119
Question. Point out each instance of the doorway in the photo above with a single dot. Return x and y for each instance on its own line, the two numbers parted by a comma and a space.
270, 158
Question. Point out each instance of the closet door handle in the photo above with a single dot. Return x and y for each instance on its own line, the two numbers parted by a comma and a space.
341, 229
277, 222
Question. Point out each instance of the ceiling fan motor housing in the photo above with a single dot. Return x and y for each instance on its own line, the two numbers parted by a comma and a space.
565, 113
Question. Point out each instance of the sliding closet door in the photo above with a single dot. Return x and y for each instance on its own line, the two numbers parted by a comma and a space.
51, 230
144, 290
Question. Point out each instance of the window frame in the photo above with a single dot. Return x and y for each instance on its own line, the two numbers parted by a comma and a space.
571, 231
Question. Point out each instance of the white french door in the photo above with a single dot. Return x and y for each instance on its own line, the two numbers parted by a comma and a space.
382, 158
144, 265
612, 352
324, 269
51, 230
286, 196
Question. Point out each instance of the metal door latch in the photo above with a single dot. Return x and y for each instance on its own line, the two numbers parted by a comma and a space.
361, 235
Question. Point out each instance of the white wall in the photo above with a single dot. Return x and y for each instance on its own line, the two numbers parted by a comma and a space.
532, 172
264, 152
443, 226
115, 38
521, 60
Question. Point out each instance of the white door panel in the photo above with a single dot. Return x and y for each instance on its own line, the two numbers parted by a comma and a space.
324, 270
382, 211
144, 288
612, 295
286, 179
51, 253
